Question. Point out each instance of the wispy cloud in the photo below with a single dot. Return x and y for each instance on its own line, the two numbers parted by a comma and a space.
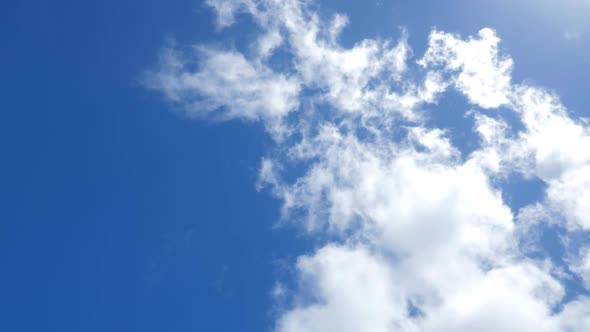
423, 238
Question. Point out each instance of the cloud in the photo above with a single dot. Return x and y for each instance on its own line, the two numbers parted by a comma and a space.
225, 80
227, 9
576, 316
356, 289
365, 296
476, 67
355, 80
571, 194
419, 237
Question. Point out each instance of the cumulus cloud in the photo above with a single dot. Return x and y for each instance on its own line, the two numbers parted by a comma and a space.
576, 316
475, 66
421, 238
366, 294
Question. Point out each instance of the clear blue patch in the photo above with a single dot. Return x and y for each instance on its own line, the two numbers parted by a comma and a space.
519, 191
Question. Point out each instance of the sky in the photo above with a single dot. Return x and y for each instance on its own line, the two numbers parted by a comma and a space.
295, 166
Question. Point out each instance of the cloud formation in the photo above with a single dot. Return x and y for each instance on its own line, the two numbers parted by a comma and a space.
421, 237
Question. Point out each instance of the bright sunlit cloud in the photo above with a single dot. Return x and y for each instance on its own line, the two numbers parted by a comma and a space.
420, 235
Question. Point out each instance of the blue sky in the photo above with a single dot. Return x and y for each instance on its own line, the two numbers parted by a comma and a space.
140, 196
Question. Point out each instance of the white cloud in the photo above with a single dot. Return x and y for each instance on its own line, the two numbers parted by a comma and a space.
400, 191
363, 80
576, 316
477, 69
421, 238
350, 289
571, 195
450, 238
226, 80
227, 9
558, 147
558, 142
